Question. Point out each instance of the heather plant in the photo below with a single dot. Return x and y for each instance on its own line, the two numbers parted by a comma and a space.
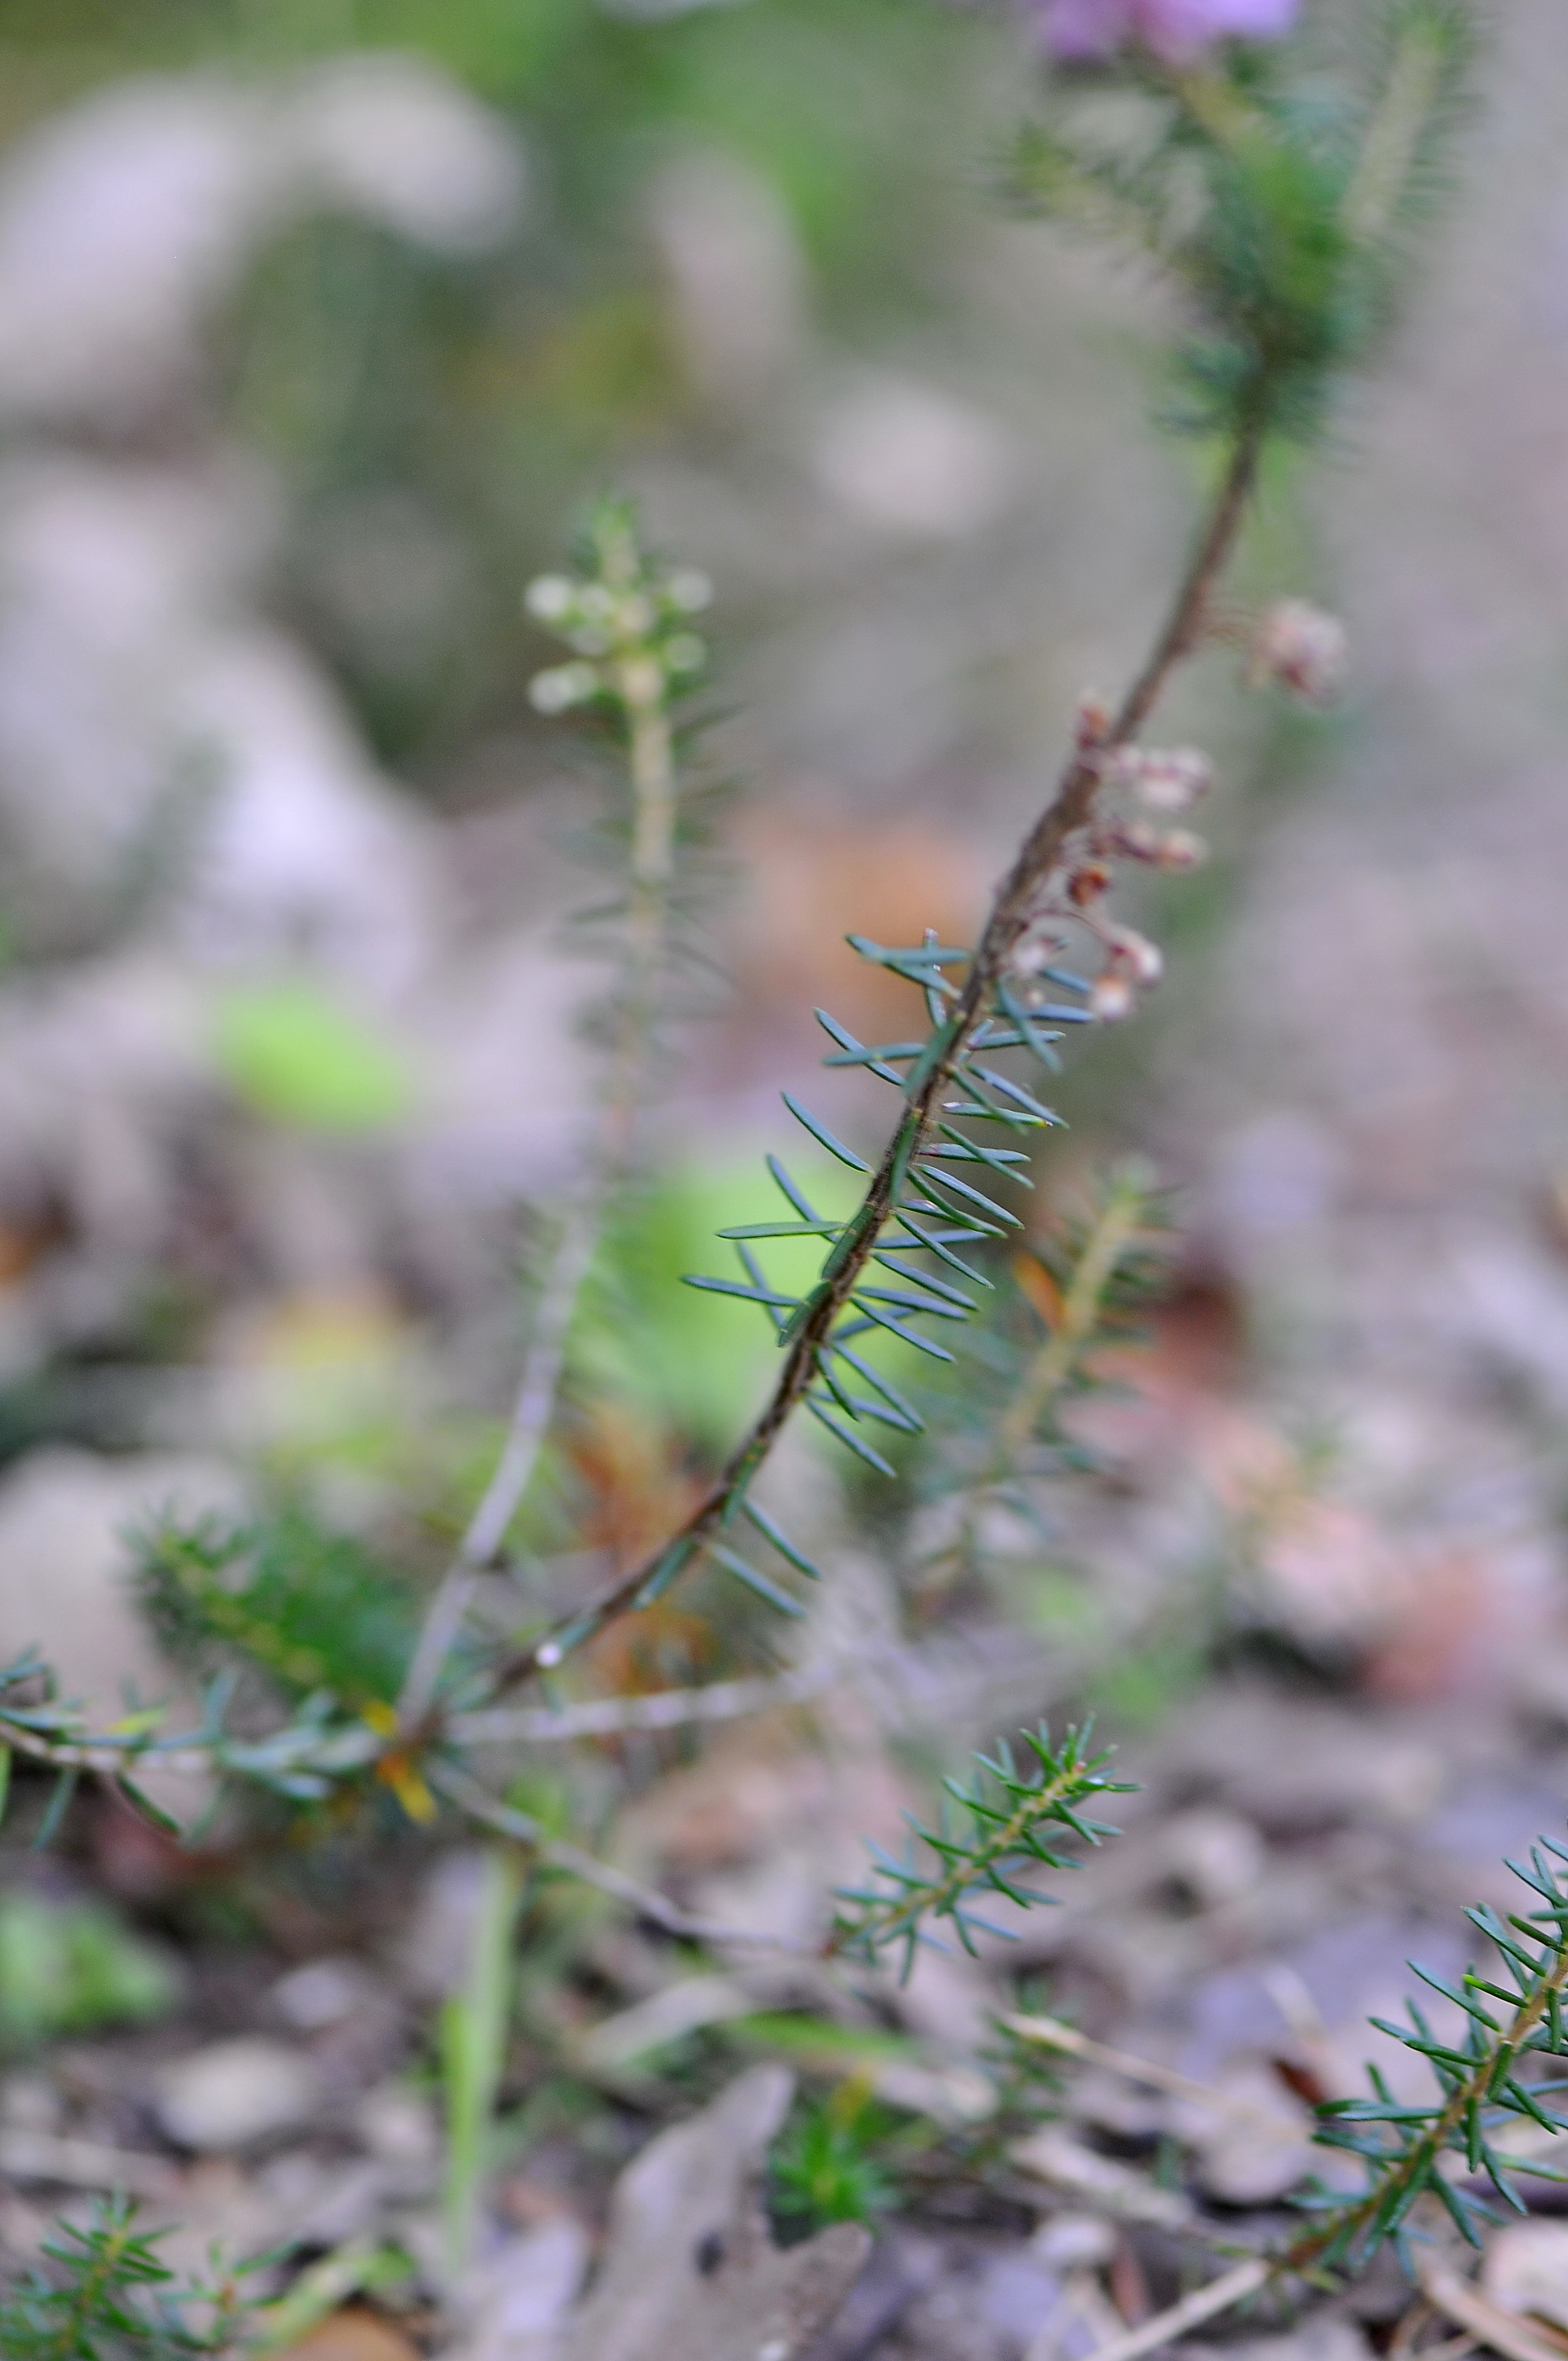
1272, 173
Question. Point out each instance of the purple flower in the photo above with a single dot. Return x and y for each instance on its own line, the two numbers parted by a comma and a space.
1173, 30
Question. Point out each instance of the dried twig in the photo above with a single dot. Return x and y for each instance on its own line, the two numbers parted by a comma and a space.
1490, 2323
85, 2164
1053, 2035
1233, 2286
662, 1710
554, 1852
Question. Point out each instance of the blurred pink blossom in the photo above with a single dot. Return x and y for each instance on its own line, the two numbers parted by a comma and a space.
1174, 29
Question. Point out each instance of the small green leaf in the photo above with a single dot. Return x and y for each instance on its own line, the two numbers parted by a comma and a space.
733, 1563
781, 1541
148, 1811
59, 1805
820, 1133
847, 1436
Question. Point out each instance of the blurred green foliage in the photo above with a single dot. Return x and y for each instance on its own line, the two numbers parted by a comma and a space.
695, 1361
310, 1608
827, 2167
294, 1055
74, 1967
456, 412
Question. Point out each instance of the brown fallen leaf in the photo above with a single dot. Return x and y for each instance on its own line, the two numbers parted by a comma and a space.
690, 2267
354, 2334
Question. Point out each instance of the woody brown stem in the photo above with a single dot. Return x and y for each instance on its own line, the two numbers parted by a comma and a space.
1069, 810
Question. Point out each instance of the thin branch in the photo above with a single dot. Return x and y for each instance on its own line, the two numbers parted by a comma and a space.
530, 1420
1048, 1371
1052, 2034
1069, 810
664, 1710
554, 1852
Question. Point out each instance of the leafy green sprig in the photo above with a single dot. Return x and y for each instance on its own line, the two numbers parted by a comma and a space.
1281, 212
994, 1833
1484, 2083
303, 1759
1286, 267
1425, 2156
104, 2295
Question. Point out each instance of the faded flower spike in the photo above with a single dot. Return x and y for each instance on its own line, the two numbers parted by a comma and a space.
1302, 648
1174, 30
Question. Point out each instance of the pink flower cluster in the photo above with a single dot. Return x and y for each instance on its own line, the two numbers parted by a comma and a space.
1173, 30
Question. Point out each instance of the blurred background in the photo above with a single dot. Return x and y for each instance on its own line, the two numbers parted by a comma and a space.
319, 325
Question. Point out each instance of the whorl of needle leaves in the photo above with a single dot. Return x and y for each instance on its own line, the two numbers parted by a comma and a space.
1486, 2080
103, 2294
993, 1834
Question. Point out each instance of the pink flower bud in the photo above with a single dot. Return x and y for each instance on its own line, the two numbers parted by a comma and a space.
1033, 952
1111, 996
1093, 721
1302, 648
1179, 849
1167, 779
1133, 954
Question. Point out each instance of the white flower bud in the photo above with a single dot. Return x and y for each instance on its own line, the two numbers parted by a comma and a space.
1302, 648
1138, 839
561, 687
550, 598
688, 591
685, 653
1162, 848
641, 680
